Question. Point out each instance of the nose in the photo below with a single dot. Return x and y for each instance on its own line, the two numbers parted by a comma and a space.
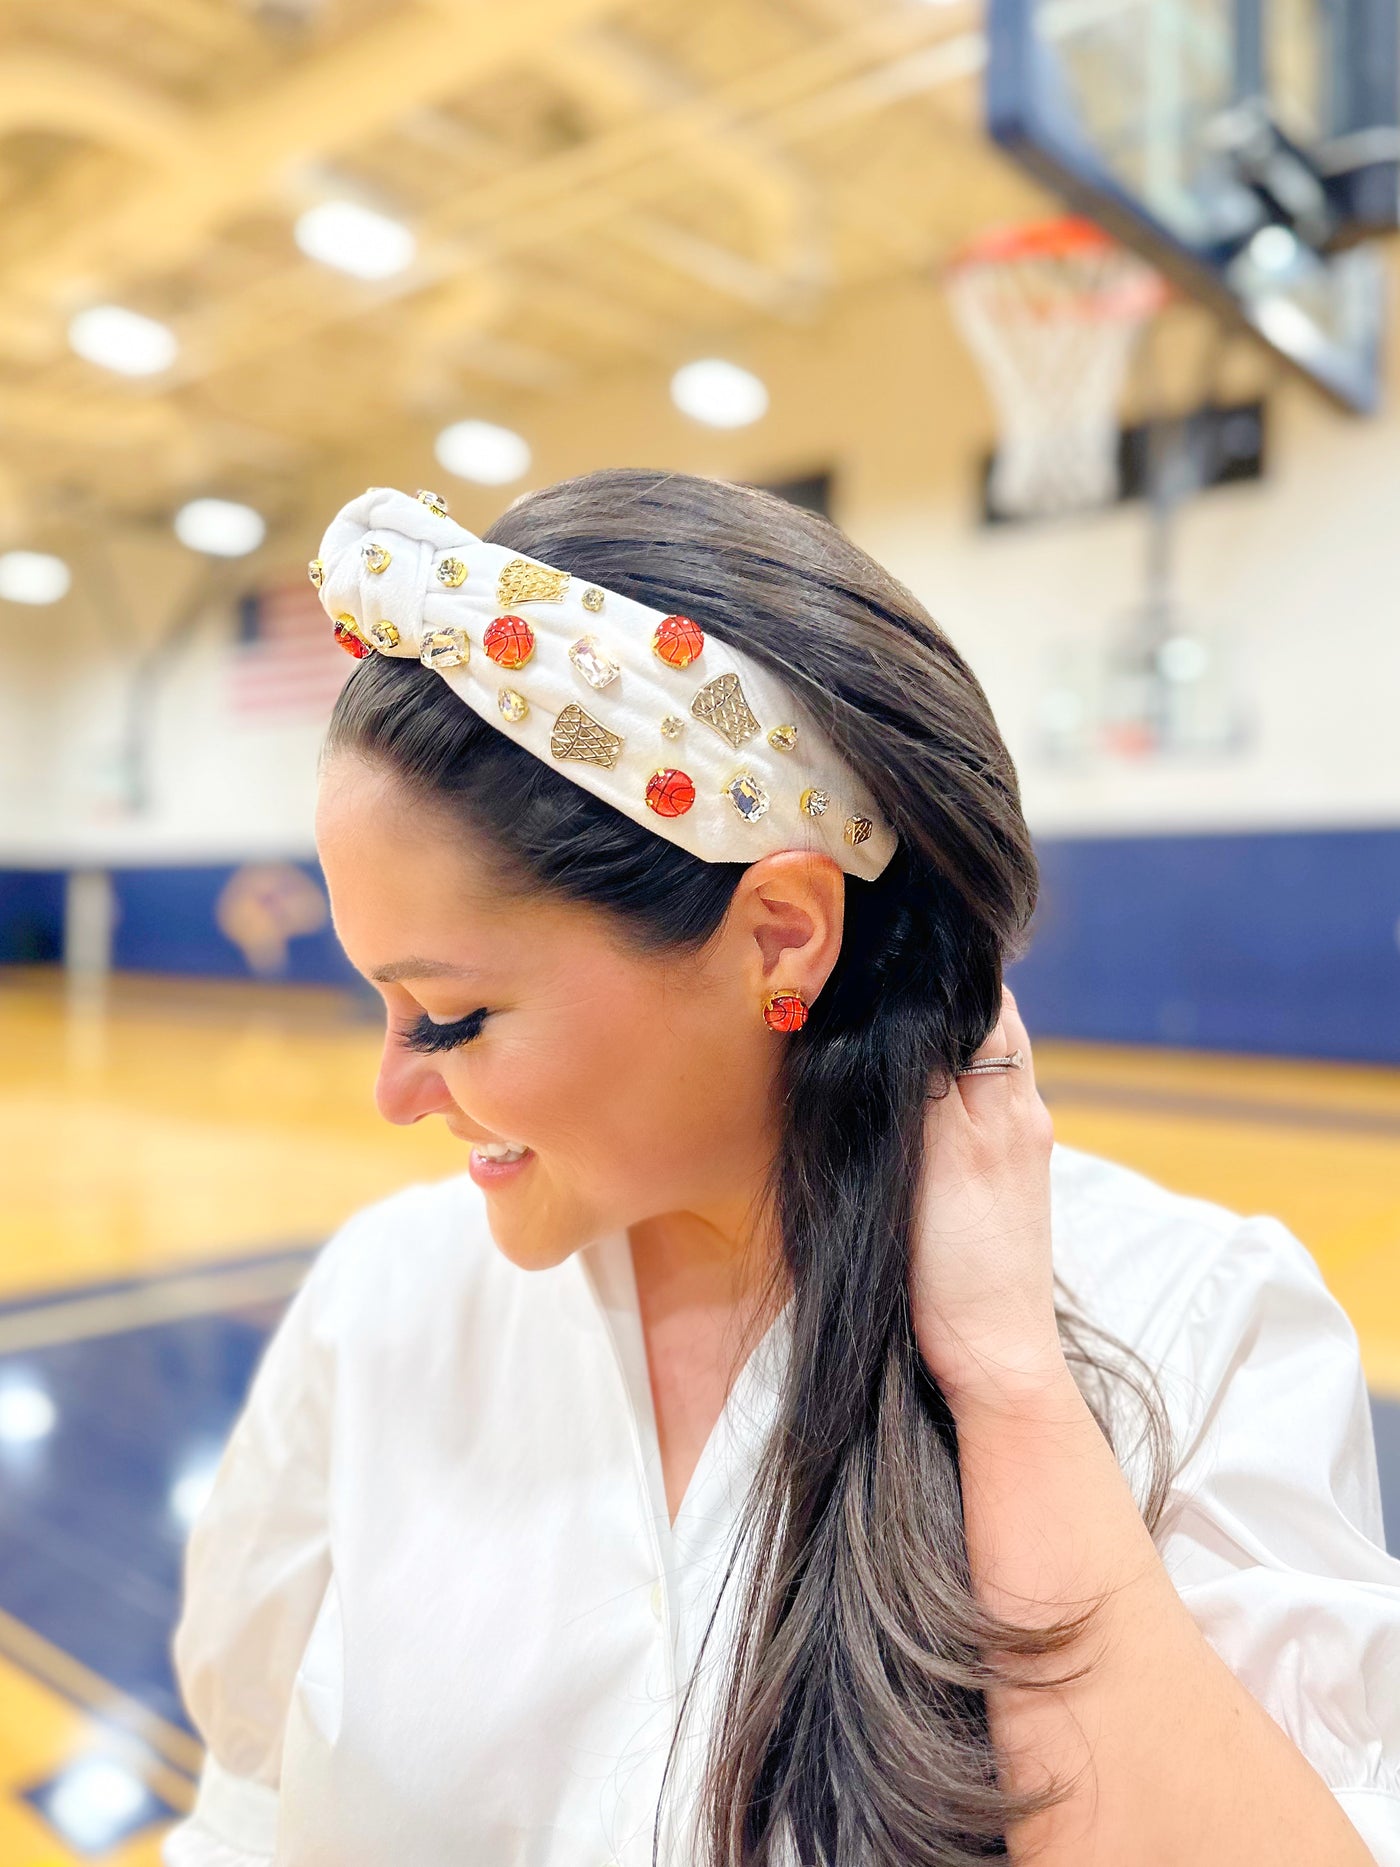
408, 1087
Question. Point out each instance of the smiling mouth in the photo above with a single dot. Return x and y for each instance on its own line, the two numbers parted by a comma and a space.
500, 1150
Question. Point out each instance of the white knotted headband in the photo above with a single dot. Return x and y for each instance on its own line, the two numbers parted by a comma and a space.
676, 729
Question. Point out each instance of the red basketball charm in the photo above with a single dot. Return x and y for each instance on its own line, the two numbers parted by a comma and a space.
352, 641
785, 1011
677, 640
510, 641
670, 793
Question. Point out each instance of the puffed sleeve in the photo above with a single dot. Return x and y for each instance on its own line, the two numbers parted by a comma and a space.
1273, 1534
257, 1566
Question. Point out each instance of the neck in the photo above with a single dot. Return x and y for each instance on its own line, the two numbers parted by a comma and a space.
719, 1261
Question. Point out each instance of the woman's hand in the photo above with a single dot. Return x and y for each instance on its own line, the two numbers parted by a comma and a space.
981, 1284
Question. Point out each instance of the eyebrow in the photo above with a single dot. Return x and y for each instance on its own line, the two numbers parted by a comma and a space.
414, 968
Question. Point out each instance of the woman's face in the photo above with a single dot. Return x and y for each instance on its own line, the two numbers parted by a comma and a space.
639, 1084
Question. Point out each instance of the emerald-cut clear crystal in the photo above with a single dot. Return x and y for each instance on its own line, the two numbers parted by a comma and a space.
597, 667
445, 648
748, 796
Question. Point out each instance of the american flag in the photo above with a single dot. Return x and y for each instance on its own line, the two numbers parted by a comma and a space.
286, 662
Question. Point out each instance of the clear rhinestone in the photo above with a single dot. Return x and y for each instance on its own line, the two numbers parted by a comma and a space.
384, 635
748, 796
596, 667
433, 501
316, 571
592, 598
444, 648
672, 726
451, 573
513, 706
377, 557
814, 801
783, 738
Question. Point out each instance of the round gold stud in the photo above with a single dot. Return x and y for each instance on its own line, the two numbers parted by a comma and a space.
592, 598
377, 557
451, 573
672, 726
783, 738
316, 571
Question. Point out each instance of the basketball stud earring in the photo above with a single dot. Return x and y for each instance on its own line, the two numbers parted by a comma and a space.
785, 1011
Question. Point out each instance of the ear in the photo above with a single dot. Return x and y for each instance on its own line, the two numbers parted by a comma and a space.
791, 907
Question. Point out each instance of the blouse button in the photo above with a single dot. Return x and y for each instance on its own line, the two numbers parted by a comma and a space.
656, 1599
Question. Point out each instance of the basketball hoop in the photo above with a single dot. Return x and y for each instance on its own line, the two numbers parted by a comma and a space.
1052, 311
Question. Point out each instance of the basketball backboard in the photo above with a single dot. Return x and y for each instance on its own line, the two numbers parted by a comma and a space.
1250, 149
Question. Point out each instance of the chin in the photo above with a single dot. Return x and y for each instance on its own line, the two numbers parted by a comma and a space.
531, 1244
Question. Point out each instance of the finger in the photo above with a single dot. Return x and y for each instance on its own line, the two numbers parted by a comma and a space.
982, 1094
1018, 1038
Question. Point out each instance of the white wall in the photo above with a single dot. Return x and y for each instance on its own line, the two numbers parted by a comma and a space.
1301, 572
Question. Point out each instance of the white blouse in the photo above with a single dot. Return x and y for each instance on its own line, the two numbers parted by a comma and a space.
436, 1612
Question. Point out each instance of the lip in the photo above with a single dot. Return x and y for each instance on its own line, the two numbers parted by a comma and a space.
491, 1174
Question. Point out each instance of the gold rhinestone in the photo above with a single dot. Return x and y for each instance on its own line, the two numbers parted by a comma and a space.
747, 796
592, 598
814, 801
316, 571
672, 726
513, 706
384, 635
721, 704
445, 648
521, 581
858, 829
433, 501
783, 738
578, 735
377, 557
451, 573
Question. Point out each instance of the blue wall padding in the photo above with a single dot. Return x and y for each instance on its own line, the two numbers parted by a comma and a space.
1281, 941
31, 916
166, 923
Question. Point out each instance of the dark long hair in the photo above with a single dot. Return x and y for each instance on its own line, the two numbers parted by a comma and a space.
853, 1725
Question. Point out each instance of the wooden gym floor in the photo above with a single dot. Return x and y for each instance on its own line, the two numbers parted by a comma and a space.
170, 1161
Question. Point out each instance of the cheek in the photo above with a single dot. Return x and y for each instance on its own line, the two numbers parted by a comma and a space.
616, 1078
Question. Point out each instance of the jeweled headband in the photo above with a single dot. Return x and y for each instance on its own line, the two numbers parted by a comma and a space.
674, 728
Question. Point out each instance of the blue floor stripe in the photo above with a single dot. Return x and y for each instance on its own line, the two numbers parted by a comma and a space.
202, 1267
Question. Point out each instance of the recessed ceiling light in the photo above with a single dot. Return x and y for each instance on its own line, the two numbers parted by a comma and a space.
33, 577
355, 239
220, 528
480, 451
123, 340
718, 393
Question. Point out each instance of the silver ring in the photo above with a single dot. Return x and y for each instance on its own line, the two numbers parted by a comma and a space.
992, 1066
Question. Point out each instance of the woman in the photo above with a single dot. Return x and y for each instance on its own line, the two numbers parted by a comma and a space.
790, 1511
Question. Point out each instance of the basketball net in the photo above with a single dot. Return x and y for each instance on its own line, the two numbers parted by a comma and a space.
1053, 311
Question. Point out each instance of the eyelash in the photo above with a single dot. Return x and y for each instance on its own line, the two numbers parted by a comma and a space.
430, 1038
